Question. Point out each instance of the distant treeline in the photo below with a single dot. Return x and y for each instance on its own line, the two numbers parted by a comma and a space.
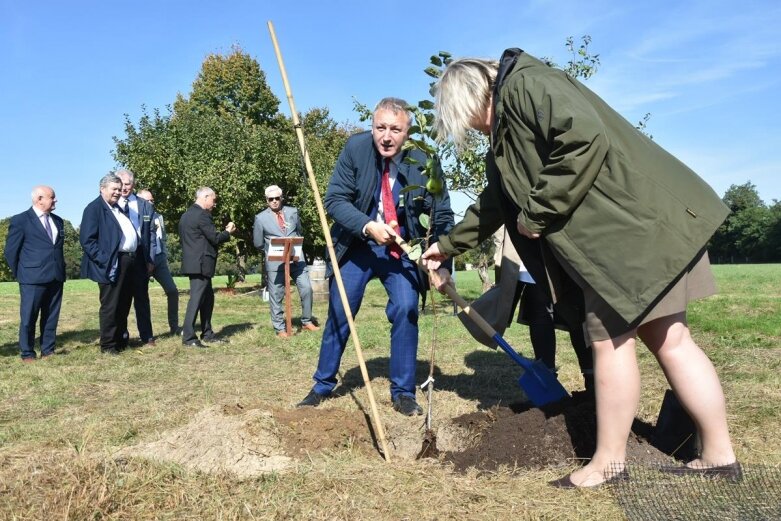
751, 233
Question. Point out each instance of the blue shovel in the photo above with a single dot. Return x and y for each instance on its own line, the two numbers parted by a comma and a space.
538, 382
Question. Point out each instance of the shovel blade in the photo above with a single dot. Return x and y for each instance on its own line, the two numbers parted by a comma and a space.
538, 382
540, 385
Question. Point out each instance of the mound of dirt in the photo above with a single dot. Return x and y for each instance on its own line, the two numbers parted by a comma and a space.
524, 437
306, 430
221, 439
251, 440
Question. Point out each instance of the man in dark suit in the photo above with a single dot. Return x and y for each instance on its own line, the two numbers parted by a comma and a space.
200, 240
34, 253
279, 220
141, 213
369, 210
109, 241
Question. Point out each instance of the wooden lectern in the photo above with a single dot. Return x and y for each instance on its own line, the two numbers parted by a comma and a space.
286, 244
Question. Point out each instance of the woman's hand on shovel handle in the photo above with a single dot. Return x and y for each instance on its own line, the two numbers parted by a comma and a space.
432, 258
440, 278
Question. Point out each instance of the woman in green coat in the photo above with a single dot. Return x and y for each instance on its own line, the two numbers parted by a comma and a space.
612, 212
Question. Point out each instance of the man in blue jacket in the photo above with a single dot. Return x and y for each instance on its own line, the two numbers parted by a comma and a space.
365, 200
110, 242
34, 253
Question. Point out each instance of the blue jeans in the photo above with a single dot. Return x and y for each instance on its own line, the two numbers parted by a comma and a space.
400, 278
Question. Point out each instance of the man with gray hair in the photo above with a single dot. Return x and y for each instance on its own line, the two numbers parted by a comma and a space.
34, 252
200, 241
375, 195
279, 220
110, 243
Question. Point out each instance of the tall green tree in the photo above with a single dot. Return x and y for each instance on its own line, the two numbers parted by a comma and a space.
228, 133
743, 237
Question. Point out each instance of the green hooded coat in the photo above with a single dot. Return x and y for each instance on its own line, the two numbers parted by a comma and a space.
625, 214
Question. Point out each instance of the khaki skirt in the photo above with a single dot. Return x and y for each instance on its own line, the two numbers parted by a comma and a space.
602, 321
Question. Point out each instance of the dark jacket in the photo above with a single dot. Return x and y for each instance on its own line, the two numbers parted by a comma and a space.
147, 236
200, 240
100, 236
352, 195
30, 254
624, 213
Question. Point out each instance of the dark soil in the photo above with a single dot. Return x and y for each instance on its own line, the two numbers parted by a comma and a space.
249, 439
519, 436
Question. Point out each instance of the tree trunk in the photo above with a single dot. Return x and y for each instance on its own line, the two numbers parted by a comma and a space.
482, 272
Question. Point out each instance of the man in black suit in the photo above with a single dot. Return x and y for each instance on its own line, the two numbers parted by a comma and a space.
200, 240
141, 214
34, 253
110, 242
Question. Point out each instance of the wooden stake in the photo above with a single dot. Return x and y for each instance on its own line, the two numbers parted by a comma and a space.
324, 224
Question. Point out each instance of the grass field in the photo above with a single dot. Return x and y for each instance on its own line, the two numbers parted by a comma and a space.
62, 420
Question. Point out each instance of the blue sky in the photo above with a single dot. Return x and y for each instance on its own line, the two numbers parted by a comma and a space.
707, 71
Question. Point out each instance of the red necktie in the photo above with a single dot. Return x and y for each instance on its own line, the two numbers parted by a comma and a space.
389, 209
281, 221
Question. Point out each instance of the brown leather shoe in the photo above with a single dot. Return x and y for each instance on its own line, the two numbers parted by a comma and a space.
283, 334
28, 360
309, 327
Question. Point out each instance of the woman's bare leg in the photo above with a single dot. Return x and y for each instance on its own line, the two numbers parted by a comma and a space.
695, 382
617, 386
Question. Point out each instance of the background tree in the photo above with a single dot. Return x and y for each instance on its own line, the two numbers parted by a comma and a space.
5, 269
228, 134
750, 232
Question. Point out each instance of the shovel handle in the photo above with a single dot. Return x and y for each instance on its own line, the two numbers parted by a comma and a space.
473, 315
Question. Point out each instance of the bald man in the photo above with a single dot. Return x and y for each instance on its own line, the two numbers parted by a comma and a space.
200, 241
35, 255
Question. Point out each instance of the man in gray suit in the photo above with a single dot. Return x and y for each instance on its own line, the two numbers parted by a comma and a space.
162, 273
282, 221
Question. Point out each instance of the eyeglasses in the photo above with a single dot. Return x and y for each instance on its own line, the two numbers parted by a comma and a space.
269, 199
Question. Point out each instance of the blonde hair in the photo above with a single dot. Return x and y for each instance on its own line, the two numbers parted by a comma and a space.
463, 93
